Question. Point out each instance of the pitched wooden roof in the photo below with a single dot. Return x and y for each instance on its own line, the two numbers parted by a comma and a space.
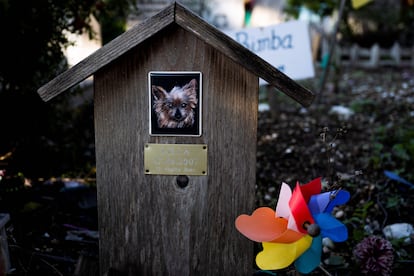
175, 14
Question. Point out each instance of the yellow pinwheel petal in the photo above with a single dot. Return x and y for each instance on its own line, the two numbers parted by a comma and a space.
280, 255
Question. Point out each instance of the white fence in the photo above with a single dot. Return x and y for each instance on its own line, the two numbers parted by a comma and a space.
374, 56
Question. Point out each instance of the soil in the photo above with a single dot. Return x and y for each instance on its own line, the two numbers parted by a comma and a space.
359, 127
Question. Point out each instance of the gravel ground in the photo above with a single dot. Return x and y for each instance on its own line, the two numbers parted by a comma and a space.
359, 127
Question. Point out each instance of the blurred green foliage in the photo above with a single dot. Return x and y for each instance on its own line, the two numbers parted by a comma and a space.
47, 139
393, 147
380, 21
321, 8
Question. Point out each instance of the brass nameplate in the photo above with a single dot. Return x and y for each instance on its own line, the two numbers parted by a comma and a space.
175, 159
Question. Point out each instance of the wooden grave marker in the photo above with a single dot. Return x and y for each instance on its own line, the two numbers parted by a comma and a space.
168, 198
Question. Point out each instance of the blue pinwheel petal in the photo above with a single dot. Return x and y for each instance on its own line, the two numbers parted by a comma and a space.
338, 198
396, 177
318, 203
331, 227
311, 258
325, 202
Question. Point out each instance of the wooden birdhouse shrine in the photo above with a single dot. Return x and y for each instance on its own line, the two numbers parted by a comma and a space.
175, 135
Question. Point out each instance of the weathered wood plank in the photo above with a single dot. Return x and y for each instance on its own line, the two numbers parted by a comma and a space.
148, 225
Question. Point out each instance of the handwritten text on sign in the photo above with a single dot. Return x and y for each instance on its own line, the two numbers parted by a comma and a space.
286, 46
175, 159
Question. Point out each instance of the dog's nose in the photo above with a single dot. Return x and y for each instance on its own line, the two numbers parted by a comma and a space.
177, 114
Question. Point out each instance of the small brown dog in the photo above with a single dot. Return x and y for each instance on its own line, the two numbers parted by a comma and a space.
175, 109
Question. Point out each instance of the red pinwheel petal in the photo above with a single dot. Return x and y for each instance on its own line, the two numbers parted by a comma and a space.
314, 187
299, 209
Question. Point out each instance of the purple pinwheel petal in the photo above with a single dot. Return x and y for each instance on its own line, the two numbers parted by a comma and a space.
311, 258
331, 227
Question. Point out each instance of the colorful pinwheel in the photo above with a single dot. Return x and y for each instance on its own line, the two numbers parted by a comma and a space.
293, 233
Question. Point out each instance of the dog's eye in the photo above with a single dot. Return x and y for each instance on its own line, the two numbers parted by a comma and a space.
183, 105
170, 105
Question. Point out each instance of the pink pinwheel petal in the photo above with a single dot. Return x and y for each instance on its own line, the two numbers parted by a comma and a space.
282, 207
292, 224
280, 255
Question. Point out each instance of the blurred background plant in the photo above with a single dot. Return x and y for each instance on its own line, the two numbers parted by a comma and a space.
380, 21
32, 53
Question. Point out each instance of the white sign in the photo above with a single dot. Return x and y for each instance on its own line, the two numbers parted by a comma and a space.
286, 46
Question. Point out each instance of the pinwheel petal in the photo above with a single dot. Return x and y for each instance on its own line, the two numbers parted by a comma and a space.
280, 255
312, 188
262, 225
282, 207
331, 227
282, 232
299, 208
317, 203
311, 258
325, 202
288, 236
337, 198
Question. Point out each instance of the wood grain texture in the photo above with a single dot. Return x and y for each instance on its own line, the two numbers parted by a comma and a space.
177, 14
148, 225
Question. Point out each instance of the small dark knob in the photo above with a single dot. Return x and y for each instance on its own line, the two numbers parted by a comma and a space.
182, 181
313, 229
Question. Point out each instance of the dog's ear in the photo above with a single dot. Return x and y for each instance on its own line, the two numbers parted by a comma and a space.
191, 88
191, 91
158, 92
192, 85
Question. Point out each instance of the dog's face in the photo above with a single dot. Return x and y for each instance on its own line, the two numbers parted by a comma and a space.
175, 109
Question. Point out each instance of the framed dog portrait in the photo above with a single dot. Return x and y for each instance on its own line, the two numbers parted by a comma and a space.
175, 103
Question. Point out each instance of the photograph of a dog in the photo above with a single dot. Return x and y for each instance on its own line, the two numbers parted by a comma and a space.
175, 109
175, 99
